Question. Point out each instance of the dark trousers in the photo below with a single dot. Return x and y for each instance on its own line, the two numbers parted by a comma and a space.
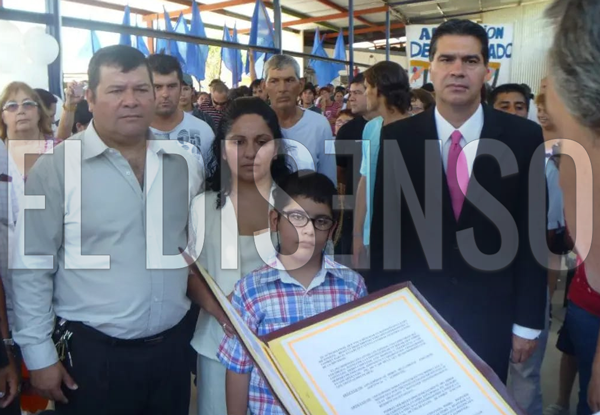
117, 377
14, 408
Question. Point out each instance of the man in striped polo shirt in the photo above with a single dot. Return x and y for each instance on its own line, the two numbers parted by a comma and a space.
218, 103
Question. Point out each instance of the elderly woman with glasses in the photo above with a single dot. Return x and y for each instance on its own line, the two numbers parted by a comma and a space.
25, 125
25, 128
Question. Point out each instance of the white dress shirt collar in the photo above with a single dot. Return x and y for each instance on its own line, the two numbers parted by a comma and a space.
470, 130
93, 145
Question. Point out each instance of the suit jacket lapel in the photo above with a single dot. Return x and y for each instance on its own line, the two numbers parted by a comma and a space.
483, 167
429, 132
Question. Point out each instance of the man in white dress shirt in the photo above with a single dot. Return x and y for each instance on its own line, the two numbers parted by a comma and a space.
101, 256
307, 132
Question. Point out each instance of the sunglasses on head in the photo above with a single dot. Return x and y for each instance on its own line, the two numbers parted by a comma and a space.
13, 106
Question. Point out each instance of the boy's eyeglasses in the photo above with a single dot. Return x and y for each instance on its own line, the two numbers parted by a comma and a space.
13, 106
322, 223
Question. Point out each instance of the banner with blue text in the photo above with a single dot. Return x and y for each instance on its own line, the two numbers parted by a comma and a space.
500, 45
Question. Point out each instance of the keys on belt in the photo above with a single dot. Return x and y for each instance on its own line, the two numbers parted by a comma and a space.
62, 335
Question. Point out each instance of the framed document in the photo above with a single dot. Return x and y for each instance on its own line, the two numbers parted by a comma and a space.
388, 353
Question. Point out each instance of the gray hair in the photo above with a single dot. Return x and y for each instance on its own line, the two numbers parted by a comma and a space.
279, 62
574, 58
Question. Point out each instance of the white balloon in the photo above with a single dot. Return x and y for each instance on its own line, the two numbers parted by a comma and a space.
15, 58
34, 75
41, 48
9, 32
34, 32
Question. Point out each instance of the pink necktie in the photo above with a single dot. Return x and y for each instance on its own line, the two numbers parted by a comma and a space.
457, 173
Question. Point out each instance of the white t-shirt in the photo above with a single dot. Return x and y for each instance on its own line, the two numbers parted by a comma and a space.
311, 144
192, 133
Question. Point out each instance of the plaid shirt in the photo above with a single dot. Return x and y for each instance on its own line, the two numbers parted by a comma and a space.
269, 299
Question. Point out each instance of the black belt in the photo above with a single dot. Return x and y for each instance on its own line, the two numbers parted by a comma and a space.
80, 329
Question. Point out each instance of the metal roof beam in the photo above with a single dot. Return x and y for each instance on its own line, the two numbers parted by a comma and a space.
339, 8
368, 30
202, 7
329, 17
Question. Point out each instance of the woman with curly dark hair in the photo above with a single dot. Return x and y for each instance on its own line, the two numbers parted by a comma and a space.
229, 226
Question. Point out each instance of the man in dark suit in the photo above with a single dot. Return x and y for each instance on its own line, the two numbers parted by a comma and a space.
471, 257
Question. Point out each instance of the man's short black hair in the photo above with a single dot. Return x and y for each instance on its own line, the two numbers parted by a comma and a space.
461, 27
527, 89
428, 87
256, 83
304, 183
46, 97
123, 57
309, 87
164, 65
508, 88
358, 79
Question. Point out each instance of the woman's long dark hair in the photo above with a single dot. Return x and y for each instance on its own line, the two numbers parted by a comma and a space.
219, 174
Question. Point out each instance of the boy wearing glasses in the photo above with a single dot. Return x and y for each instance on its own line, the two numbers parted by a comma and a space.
297, 283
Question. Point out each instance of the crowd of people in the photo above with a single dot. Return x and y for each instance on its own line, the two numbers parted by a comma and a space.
296, 200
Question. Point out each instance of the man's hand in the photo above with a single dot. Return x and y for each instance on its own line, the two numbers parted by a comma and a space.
48, 382
73, 93
522, 349
359, 252
9, 383
594, 390
225, 324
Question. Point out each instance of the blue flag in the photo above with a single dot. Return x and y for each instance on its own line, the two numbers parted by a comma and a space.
173, 48
324, 71
181, 27
231, 57
125, 39
196, 55
96, 46
90, 47
162, 45
261, 34
141, 46
339, 53
238, 55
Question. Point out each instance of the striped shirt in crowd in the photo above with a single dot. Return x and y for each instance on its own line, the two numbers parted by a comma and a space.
215, 114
